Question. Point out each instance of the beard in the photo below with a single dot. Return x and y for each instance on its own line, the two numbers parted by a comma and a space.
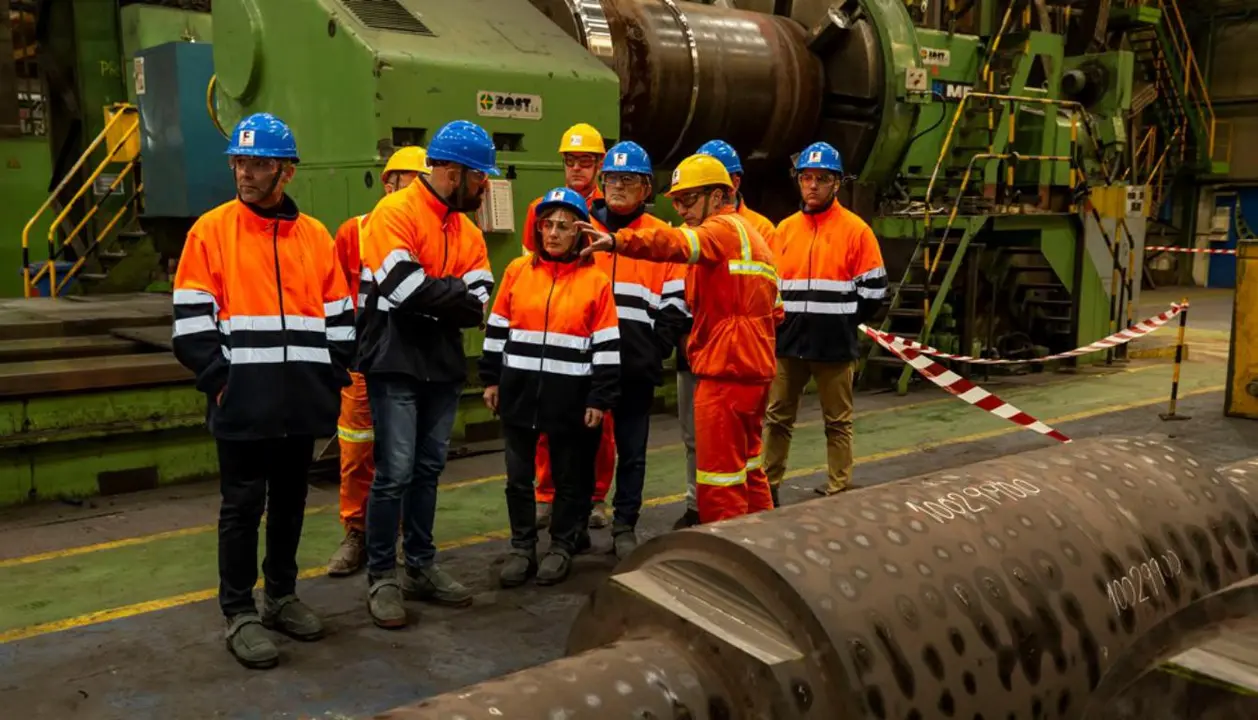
464, 200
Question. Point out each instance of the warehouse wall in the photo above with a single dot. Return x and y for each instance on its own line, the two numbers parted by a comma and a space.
1234, 91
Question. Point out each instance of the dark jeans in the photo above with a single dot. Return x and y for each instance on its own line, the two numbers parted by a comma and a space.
257, 475
413, 421
632, 428
572, 457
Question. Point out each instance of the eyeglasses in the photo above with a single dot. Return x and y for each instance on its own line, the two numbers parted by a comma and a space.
574, 160
623, 180
562, 227
686, 201
821, 179
250, 164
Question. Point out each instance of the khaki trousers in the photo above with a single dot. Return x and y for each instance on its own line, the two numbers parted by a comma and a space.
834, 385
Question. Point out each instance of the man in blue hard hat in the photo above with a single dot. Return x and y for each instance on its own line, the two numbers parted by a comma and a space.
728, 156
264, 318
832, 280
651, 307
430, 280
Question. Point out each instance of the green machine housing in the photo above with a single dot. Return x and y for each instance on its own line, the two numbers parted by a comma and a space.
355, 80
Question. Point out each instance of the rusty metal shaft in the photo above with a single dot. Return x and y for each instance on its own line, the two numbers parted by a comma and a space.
1035, 585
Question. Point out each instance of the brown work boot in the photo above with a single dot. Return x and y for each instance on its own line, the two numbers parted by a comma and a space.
350, 556
600, 516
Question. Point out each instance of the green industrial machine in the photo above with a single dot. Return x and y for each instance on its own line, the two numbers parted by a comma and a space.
988, 147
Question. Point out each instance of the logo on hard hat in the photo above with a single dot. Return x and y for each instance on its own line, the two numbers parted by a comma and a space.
555, 195
676, 176
246, 138
814, 156
620, 159
576, 141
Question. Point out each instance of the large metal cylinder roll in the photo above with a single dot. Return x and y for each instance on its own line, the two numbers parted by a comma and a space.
691, 72
1035, 585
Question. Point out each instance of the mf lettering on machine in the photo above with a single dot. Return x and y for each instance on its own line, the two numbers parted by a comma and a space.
508, 105
951, 90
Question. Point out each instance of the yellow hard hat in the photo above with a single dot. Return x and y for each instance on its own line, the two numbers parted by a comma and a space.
582, 138
410, 158
699, 171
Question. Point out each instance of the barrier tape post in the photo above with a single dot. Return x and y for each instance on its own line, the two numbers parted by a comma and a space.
1170, 414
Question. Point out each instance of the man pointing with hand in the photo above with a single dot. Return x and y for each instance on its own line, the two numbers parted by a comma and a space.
731, 346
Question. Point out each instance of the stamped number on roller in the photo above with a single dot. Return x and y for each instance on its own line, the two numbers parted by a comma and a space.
1143, 581
974, 499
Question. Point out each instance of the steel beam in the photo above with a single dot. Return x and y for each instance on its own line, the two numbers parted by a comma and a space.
1034, 585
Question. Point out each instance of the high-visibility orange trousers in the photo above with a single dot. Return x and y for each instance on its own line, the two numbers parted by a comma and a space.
604, 467
356, 438
729, 419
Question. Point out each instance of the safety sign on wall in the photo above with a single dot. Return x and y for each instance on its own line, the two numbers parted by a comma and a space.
508, 105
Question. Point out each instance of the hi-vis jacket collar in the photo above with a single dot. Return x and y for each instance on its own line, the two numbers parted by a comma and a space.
834, 209
263, 219
428, 198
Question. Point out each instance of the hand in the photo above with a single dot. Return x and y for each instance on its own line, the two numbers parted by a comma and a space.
491, 398
218, 399
599, 240
593, 417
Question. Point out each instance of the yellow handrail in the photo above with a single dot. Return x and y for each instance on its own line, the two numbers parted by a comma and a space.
65, 181
52, 229
103, 233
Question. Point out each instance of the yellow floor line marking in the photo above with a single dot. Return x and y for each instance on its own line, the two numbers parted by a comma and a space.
471, 482
317, 509
192, 597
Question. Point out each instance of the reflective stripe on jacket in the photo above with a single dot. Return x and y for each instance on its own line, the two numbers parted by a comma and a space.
349, 254
430, 279
731, 290
651, 305
528, 234
552, 345
832, 280
278, 358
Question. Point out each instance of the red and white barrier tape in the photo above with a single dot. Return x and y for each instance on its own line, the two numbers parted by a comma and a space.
1173, 248
1144, 327
959, 386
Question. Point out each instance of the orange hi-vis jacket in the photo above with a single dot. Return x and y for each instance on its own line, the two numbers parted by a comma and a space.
552, 345
528, 237
430, 279
263, 316
762, 224
349, 254
731, 289
650, 301
832, 280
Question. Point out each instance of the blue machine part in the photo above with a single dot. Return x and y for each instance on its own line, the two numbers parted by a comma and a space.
185, 173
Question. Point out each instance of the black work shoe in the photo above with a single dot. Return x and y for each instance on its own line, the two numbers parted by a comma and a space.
384, 602
773, 490
624, 541
554, 568
435, 585
291, 617
689, 519
519, 566
250, 644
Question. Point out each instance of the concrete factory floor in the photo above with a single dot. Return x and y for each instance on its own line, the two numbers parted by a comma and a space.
107, 610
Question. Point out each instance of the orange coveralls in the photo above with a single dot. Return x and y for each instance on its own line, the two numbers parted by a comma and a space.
732, 292
605, 465
354, 431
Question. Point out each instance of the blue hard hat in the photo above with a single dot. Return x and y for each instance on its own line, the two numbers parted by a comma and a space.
820, 156
263, 135
464, 143
562, 197
724, 152
627, 157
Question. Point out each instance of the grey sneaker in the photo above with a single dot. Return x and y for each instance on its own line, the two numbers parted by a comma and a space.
384, 602
600, 516
291, 617
350, 556
624, 541
435, 585
250, 644
554, 568
519, 566
543, 515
